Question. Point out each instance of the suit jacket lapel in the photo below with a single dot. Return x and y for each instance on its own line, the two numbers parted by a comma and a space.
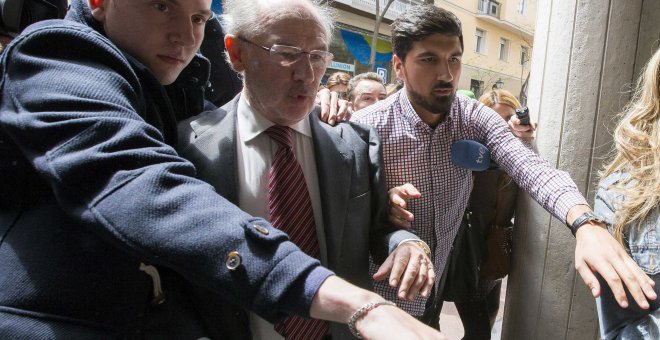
226, 165
334, 166
217, 132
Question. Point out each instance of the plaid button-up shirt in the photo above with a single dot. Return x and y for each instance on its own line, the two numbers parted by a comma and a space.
418, 154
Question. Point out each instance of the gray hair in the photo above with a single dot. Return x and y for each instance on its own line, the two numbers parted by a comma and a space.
244, 18
362, 76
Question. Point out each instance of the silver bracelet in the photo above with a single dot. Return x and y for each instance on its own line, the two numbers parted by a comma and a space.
360, 313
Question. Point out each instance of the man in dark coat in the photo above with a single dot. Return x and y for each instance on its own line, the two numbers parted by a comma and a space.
105, 231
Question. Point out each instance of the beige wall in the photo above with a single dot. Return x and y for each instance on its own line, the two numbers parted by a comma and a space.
487, 66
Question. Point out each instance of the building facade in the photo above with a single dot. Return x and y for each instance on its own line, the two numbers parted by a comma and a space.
352, 39
498, 38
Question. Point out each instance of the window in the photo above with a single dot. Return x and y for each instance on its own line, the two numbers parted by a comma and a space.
483, 6
480, 41
494, 9
524, 55
476, 86
522, 6
489, 7
504, 49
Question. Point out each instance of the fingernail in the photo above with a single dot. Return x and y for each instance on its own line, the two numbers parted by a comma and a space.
593, 291
624, 304
393, 283
644, 305
331, 121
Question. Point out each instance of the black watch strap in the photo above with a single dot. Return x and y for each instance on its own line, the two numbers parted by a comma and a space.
584, 218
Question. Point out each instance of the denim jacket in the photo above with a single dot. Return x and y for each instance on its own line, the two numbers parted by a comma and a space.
643, 245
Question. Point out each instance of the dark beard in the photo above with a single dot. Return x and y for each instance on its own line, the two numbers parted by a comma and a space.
433, 104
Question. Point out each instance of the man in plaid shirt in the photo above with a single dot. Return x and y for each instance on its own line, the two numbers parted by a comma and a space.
418, 125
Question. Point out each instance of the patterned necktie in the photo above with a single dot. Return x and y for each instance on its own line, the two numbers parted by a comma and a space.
290, 209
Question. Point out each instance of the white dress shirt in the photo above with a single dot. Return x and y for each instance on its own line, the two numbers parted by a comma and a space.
255, 152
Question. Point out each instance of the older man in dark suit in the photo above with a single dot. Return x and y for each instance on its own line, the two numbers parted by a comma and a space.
334, 174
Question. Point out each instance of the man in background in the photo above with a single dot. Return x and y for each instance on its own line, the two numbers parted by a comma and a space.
366, 89
106, 233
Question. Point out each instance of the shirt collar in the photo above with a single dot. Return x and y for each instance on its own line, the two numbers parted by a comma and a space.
252, 123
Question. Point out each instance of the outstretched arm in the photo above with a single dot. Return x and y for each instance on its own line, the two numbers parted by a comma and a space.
337, 300
410, 268
597, 251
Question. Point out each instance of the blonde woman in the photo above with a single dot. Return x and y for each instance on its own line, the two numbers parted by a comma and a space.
628, 199
338, 82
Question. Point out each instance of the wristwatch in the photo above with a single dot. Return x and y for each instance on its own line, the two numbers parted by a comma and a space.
584, 218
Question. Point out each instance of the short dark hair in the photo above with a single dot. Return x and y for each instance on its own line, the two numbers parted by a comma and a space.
418, 22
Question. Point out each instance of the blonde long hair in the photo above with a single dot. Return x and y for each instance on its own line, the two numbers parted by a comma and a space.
504, 97
637, 151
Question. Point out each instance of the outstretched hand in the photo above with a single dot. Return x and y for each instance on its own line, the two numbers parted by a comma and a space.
597, 251
410, 270
336, 300
399, 197
524, 132
333, 109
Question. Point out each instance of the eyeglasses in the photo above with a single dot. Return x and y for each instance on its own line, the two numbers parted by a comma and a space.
287, 55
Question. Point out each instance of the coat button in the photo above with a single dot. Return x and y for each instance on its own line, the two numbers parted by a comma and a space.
261, 229
233, 260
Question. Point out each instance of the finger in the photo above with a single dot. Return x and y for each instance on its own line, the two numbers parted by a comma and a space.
588, 277
401, 213
430, 281
397, 198
635, 280
516, 126
399, 223
334, 99
384, 268
513, 121
349, 111
411, 191
399, 264
419, 280
614, 281
410, 273
324, 102
342, 112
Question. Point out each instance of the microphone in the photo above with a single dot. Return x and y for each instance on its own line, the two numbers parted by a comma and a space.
471, 155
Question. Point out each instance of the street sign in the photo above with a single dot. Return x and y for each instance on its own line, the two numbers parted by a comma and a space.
342, 66
383, 73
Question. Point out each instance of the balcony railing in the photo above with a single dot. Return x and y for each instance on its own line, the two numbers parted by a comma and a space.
369, 6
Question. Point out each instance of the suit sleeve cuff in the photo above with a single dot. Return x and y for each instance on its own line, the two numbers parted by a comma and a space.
300, 295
